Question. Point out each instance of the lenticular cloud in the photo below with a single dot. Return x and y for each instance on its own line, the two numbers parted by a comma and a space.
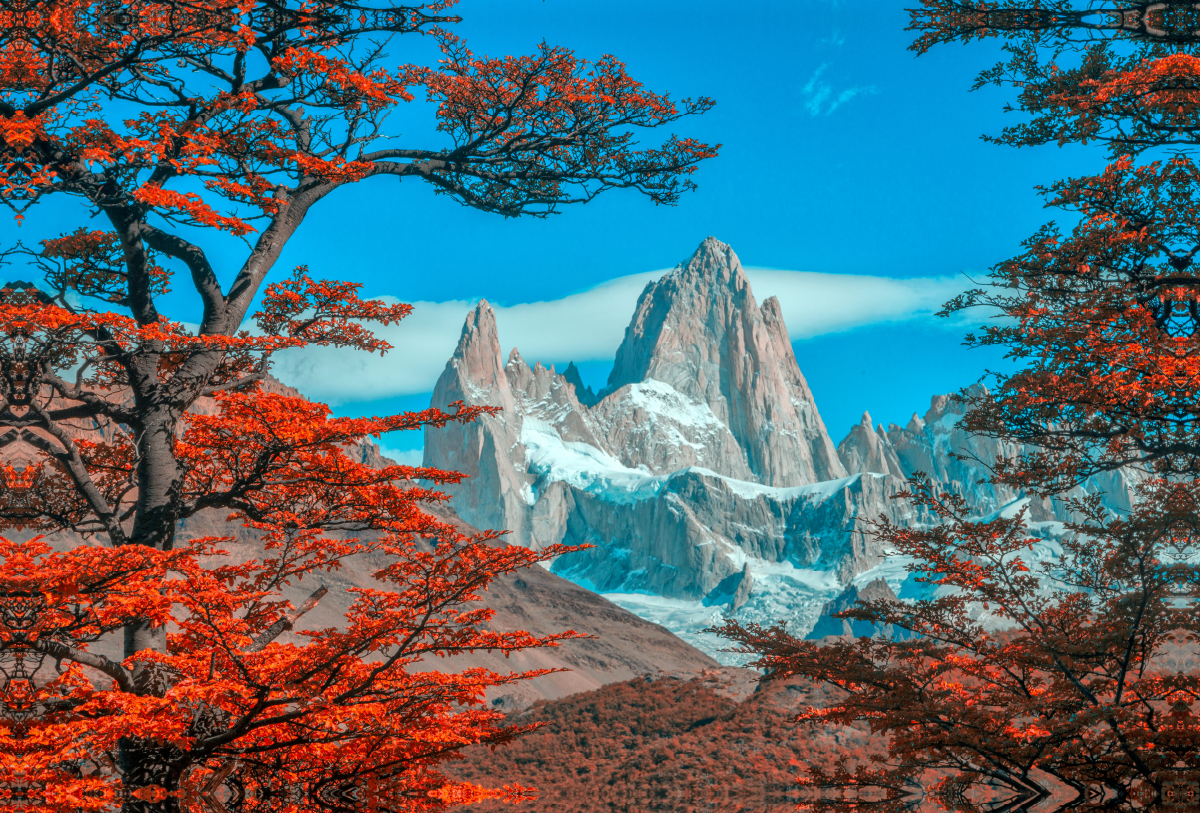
589, 325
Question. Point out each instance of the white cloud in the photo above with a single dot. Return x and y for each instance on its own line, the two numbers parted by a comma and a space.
579, 327
590, 325
814, 304
819, 95
405, 457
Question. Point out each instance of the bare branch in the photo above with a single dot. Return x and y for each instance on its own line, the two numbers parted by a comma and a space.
287, 622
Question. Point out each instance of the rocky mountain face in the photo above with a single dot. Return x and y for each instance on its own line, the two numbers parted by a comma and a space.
702, 476
488, 451
939, 448
705, 453
876, 589
727, 365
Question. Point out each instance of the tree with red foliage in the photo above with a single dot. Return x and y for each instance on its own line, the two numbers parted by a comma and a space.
175, 122
1064, 663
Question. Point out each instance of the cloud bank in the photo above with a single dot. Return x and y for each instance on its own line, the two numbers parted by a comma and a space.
589, 326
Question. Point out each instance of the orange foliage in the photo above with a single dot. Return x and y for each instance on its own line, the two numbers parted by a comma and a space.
338, 710
526, 133
173, 121
671, 743
1028, 671
1056, 660
1104, 320
344, 709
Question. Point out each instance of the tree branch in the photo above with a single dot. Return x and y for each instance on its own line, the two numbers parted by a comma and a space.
287, 622
122, 676
197, 262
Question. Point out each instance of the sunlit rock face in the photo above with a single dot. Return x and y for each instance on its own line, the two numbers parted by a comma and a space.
938, 448
699, 335
487, 450
867, 449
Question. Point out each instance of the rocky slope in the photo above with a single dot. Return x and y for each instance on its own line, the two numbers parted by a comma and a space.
623, 646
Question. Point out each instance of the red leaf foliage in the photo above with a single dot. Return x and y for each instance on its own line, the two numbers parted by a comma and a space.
342, 709
148, 668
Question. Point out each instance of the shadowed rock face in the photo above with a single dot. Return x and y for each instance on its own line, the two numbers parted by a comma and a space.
872, 591
697, 530
584, 394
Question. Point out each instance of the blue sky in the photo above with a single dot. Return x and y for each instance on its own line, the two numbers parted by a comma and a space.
843, 155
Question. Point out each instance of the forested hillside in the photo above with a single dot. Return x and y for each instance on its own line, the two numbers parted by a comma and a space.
667, 743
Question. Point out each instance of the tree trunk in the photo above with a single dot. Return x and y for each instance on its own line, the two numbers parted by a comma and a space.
146, 764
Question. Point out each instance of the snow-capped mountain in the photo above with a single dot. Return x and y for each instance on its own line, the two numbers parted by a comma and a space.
702, 474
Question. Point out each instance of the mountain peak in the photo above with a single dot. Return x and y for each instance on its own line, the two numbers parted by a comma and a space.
707, 287
713, 263
700, 331
585, 395
477, 362
915, 424
479, 331
868, 450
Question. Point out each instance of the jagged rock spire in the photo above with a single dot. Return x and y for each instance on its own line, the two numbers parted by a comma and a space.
867, 450
585, 394
488, 450
699, 330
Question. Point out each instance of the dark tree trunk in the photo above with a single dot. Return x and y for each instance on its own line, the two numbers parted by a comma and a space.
145, 763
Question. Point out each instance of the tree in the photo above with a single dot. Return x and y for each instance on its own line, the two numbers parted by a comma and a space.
1064, 660
1012, 685
177, 123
